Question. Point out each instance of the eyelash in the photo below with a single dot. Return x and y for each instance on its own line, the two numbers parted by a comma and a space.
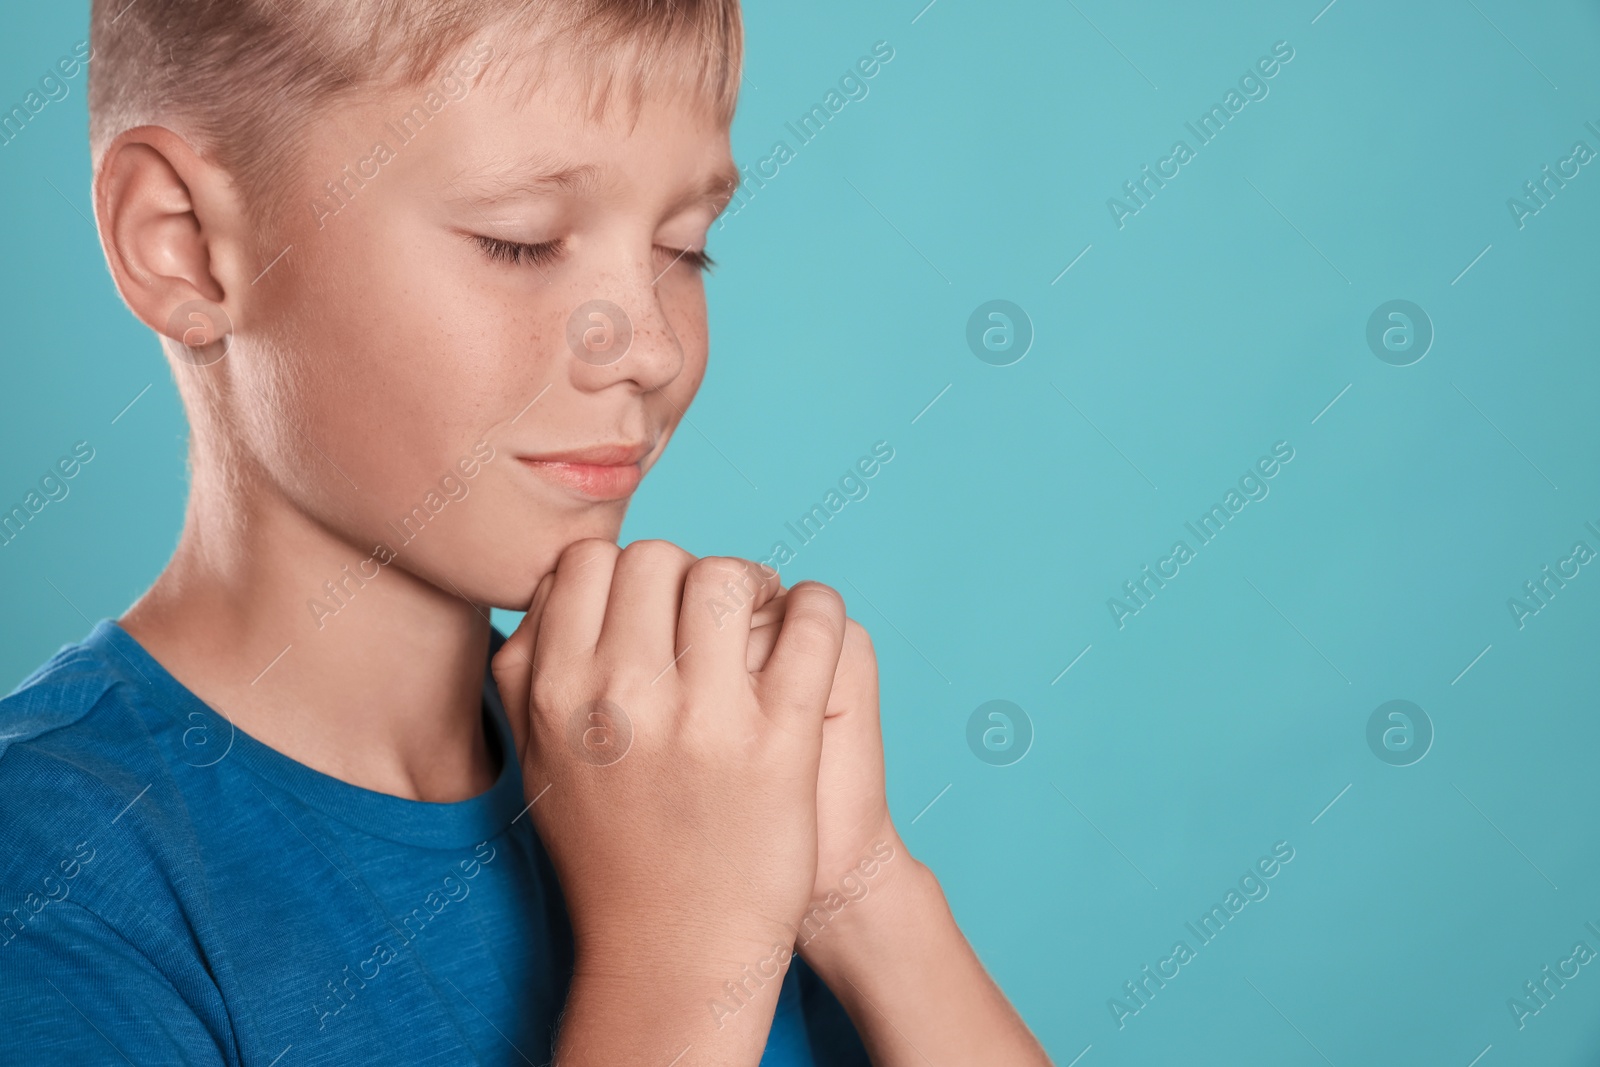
695, 257
517, 253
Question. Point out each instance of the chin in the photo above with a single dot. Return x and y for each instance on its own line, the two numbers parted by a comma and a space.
502, 569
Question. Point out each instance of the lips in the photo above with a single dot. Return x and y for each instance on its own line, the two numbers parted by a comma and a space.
603, 472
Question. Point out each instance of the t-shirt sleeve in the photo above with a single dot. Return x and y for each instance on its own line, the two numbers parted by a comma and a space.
72, 990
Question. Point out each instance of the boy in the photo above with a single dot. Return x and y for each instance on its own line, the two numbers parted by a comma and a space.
429, 279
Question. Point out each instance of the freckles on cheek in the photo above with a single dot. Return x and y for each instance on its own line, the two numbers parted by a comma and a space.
514, 345
452, 329
692, 343
691, 329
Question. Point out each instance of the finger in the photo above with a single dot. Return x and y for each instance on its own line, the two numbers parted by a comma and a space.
799, 674
772, 610
576, 605
720, 595
512, 668
541, 597
641, 620
857, 673
763, 637
765, 625
858, 664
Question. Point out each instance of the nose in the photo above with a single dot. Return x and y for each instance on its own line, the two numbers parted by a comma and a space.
620, 332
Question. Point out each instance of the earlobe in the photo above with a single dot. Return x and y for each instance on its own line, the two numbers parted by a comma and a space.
157, 203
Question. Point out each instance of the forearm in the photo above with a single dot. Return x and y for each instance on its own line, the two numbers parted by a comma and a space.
613, 1017
914, 988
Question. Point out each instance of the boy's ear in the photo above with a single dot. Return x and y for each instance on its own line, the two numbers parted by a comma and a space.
168, 220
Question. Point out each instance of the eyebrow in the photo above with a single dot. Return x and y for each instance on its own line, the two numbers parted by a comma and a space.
504, 180
720, 187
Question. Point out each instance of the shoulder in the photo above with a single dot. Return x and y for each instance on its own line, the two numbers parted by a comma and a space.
76, 753
76, 720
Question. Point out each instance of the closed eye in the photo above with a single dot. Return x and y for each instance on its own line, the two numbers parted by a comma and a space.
696, 258
517, 253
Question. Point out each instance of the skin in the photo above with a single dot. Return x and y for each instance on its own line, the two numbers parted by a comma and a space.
360, 369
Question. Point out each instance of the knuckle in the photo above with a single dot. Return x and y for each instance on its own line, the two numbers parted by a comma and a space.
823, 597
655, 550
504, 663
547, 693
813, 630
716, 570
588, 550
629, 680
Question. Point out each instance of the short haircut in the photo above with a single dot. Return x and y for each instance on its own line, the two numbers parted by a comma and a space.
240, 78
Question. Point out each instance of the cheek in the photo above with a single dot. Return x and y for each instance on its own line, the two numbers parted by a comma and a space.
687, 314
375, 360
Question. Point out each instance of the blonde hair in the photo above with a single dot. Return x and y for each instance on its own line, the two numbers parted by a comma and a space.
241, 78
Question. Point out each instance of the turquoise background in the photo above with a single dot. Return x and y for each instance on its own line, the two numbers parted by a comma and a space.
1224, 317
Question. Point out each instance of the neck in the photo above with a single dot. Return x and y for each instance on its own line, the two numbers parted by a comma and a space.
356, 668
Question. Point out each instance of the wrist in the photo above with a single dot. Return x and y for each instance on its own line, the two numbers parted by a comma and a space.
867, 916
902, 957
646, 1007
688, 963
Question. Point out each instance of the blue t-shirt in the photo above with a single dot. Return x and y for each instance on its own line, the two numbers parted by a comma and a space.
174, 891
